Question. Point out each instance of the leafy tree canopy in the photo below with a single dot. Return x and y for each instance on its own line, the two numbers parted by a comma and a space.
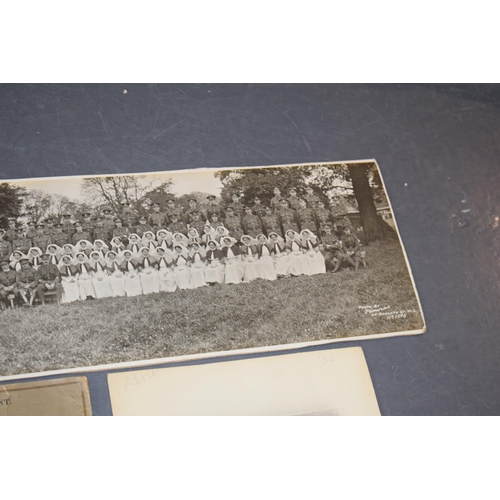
11, 202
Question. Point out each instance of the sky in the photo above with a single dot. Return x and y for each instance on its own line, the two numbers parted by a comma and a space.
184, 182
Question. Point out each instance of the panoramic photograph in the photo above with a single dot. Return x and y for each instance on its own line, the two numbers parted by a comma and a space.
117, 269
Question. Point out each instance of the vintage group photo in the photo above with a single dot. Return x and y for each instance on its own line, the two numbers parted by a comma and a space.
113, 269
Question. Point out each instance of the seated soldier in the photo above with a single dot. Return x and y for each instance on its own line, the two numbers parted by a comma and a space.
26, 282
7, 283
49, 279
350, 251
331, 246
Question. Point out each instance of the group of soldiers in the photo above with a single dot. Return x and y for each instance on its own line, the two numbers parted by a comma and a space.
334, 230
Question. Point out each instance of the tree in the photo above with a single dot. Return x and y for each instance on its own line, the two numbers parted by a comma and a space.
157, 195
114, 190
260, 182
374, 227
11, 202
38, 205
353, 182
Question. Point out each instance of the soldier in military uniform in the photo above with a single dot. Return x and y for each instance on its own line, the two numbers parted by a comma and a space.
60, 238
270, 222
5, 247
26, 282
67, 226
287, 217
350, 251
331, 246
101, 231
258, 209
237, 206
306, 217
49, 278
143, 226
192, 210
108, 221
129, 216
216, 221
323, 217
31, 232
88, 224
7, 282
157, 219
196, 222
41, 240
80, 234
252, 225
342, 223
233, 224
213, 207
120, 231
177, 225
21, 243
311, 199
339, 207
293, 200
276, 199
172, 207
10, 235
49, 228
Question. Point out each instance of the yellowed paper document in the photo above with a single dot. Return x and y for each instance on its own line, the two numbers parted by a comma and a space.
61, 397
328, 382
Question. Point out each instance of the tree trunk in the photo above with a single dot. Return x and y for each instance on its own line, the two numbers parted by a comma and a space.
370, 220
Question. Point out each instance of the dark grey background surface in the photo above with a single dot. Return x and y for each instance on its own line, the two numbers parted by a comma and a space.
438, 149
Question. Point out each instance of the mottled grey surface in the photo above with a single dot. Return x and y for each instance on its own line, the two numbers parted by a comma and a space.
438, 149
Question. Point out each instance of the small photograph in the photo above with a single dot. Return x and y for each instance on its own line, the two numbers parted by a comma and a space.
145, 267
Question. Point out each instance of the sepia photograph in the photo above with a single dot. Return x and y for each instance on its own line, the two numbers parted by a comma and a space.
139, 267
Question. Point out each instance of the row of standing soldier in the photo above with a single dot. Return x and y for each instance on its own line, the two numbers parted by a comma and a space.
308, 212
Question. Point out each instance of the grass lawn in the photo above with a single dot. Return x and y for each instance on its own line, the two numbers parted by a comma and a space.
220, 318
